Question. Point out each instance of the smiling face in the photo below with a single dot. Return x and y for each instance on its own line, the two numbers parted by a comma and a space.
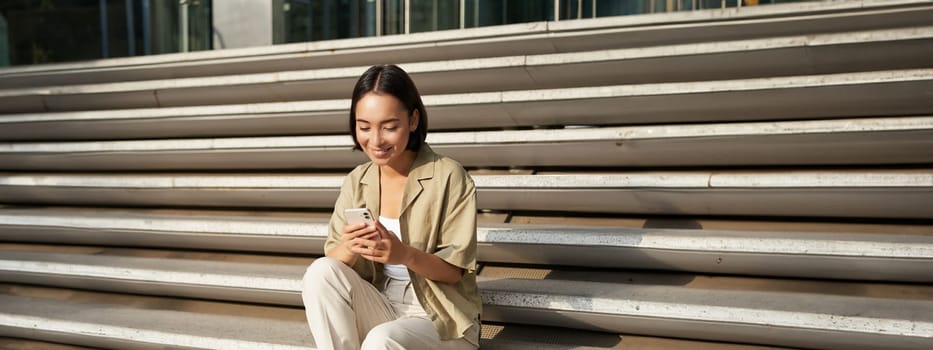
383, 127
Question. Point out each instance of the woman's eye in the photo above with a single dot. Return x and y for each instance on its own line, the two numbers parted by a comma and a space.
364, 129
392, 128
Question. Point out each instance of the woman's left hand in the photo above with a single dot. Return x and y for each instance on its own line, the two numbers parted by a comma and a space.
387, 249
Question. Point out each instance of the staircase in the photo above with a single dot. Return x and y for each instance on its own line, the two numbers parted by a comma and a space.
750, 178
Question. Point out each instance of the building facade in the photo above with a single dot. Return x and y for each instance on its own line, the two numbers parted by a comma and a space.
49, 31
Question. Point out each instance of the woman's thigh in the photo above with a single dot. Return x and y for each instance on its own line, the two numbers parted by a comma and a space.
410, 333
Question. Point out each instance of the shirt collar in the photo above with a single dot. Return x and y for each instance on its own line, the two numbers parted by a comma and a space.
421, 169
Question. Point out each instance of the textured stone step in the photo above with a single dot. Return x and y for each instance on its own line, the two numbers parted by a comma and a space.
27, 344
879, 93
121, 322
865, 193
882, 255
100, 307
869, 141
796, 319
828, 53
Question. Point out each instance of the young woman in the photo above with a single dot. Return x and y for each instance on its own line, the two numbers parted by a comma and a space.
409, 281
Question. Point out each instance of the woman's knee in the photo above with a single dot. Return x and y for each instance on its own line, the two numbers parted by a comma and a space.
384, 336
322, 269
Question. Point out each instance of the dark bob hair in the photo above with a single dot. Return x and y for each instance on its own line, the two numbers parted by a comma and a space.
392, 80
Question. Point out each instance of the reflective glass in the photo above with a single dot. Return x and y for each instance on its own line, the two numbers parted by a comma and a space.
307, 20
481, 13
71, 30
431, 15
393, 17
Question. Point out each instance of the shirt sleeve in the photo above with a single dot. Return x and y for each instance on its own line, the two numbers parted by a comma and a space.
457, 243
337, 220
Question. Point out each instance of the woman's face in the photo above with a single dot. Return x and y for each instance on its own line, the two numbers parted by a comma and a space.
382, 127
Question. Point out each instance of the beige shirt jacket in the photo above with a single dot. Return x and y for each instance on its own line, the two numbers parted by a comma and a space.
438, 216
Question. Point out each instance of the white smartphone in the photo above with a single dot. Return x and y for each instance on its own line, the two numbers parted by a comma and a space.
358, 216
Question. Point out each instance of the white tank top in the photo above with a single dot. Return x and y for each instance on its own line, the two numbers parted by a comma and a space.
400, 271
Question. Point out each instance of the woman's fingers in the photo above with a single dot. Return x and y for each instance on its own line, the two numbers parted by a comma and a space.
355, 231
378, 250
370, 251
357, 228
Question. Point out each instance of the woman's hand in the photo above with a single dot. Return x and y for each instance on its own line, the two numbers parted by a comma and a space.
383, 248
352, 232
375, 243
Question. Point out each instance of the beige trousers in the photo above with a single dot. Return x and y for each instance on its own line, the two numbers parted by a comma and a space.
346, 312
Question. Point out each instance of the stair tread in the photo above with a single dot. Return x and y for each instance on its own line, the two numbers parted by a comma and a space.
512, 71
217, 271
884, 140
856, 244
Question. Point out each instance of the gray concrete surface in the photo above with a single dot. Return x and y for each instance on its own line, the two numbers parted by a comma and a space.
776, 318
879, 256
870, 141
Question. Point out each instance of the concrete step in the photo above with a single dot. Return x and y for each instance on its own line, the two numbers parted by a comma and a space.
97, 311
900, 48
154, 274
797, 319
122, 322
884, 254
869, 141
29, 344
879, 93
863, 193
525, 38
802, 320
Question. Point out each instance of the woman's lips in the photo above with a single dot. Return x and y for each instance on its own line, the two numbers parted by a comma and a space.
381, 153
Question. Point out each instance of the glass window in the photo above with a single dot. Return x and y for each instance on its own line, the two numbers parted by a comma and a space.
431, 15
619, 8
393, 17
164, 21
199, 25
4, 44
481, 13
71, 30
310, 20
52, 31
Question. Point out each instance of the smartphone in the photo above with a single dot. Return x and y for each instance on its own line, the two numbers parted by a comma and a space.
358, 216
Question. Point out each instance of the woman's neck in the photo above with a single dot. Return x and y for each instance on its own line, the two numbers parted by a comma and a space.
399, 169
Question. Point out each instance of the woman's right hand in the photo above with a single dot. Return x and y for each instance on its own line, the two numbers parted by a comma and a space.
354, 231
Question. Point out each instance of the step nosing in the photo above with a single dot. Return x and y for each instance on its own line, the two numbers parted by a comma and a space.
135, 334
712, 313
150, 275
838, 245
336, 143
455, 66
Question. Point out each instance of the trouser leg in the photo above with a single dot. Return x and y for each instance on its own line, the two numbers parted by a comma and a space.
340, 306
413, 329
412, 333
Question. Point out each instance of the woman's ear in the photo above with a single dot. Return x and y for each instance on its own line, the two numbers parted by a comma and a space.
414, 120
